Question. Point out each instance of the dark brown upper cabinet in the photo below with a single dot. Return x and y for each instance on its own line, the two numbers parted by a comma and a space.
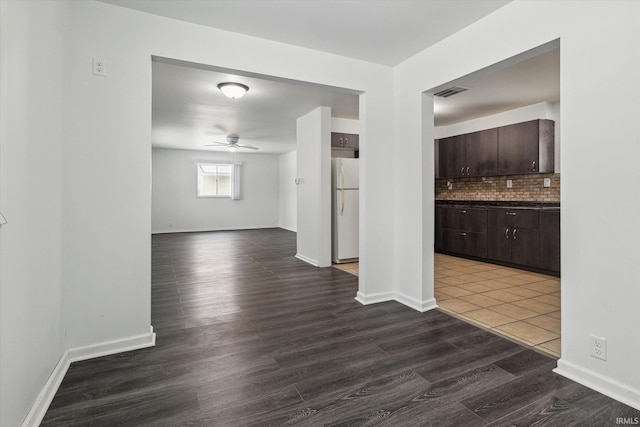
471, 154
453, 158
520, 148
345, 140
526, 147
482, 148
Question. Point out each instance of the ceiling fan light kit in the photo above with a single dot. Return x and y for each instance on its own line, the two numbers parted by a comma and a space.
231, 144
233, 90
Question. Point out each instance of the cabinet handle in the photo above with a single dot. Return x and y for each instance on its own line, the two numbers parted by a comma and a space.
467, 170
463, 212
462, 170
533, 166
514, 233
346, 141
506, 233
511, 213
462, 234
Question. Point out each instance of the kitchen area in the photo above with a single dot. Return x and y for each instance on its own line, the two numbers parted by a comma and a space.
497, 231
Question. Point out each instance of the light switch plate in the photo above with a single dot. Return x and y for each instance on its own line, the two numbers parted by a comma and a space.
547, 182
509, 183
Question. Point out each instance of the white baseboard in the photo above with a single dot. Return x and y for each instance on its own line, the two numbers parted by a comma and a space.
46, 395
374, 298
614, 389
307, 260
200, 230
106, 348
421, 306
40, 406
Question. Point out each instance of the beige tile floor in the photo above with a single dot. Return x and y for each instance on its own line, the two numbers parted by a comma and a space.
517, 304
351, 267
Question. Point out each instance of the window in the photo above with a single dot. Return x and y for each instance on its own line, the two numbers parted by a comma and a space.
218, 180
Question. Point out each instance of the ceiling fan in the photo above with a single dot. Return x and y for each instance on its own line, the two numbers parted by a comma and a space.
231, 144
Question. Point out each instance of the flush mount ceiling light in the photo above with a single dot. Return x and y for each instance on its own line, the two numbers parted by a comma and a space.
233, 90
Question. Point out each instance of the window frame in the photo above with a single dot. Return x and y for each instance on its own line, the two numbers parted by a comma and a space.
199, 185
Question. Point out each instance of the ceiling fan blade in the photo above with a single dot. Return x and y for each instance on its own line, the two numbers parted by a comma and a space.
216, 144
250, 147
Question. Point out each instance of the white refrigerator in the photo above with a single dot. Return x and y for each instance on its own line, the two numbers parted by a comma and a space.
345, 212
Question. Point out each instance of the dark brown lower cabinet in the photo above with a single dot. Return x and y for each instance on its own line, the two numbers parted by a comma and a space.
550, 240
462, 230
465, 242
513, 236
526, 237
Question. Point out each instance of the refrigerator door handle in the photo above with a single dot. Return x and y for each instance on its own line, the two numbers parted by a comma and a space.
341, 188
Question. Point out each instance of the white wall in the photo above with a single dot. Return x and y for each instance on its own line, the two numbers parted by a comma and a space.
31, 146
541, 110
174, 198
339, 124
313, 141
106, 180
288, 192
600, 265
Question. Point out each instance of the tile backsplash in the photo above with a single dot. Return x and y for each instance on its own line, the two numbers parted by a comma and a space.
526, 188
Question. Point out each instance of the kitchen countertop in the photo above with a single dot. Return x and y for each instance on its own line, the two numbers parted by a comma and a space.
499, 204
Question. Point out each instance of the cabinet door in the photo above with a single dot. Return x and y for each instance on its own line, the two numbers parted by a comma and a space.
518, 148
475, 244
499, 231
337, 139
464, 243
474, 220
464, 219
351, 140
438, 227
482, 152
513, 236
452, 157
525, 249
550, 240
521, 218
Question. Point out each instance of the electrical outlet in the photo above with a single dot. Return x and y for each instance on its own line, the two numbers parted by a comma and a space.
99, 67
598, 347
509, 183
546, 182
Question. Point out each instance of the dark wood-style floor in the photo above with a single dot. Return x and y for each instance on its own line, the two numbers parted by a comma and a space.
247, 335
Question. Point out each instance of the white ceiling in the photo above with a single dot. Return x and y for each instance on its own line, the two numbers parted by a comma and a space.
189, 111
381, 31
517, 82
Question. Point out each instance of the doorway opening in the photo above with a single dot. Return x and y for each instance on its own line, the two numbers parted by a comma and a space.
252, 143
497, 198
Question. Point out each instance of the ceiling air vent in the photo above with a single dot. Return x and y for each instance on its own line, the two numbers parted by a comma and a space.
451, 91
